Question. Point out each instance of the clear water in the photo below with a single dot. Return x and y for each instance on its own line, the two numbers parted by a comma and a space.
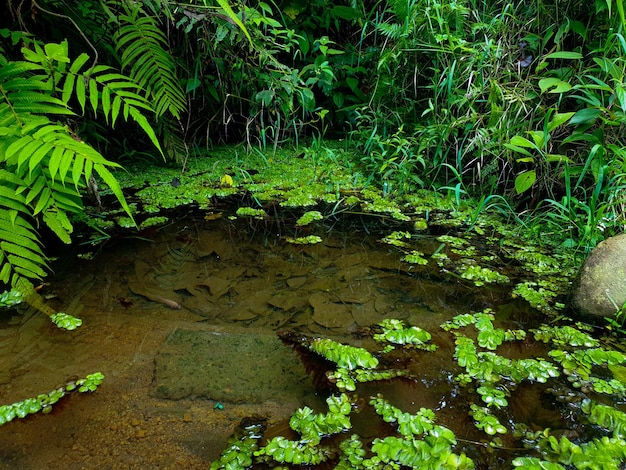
182, 322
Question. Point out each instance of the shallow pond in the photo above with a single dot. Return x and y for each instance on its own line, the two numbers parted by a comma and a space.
182, 322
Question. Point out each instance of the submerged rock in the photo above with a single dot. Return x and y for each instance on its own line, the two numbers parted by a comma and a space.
600, 289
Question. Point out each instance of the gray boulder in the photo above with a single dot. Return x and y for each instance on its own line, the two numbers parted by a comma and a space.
600, 289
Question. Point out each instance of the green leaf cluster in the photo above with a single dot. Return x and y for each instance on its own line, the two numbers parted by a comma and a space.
65, 321
43, 403
394, 332
309, 217
347, 357
10, 298
486, 421
144, 54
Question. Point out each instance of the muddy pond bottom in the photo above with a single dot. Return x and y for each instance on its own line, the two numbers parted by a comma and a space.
183, 323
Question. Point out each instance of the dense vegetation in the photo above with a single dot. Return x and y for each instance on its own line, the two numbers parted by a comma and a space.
519, 103
515, 105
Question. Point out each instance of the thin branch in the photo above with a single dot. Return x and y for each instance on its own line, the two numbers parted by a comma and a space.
80, 31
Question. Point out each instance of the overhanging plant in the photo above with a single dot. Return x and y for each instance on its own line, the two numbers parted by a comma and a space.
44, 165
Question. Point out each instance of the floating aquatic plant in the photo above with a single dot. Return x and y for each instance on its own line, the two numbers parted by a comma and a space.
126, 222
540, 298
251, 212
239, 453
347, 357
396, 239
486, 421
10, 298
480, 275
65, 321
309, 217
395, 332
152, 221
415, 257
43, 403
346, 379
308, 240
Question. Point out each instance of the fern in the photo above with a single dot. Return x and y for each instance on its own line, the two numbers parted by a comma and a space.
20, 250
144, 54
43, 165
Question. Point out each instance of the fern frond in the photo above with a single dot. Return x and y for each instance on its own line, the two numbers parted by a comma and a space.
20, 250
114, 92
144, 53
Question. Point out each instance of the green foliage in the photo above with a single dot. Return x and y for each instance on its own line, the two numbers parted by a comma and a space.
415, 257
251, 212
432, 453
65, 321
396, 238
309, 217
480, 275
483, 419
238, 455
308, 240
347, 379
144, 54
394, 332
346, 357
313, 427
43, 403
10, 298
45, 164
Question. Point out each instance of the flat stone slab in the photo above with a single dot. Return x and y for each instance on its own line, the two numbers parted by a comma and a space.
229, 367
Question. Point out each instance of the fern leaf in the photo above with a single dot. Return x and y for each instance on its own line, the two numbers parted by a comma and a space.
144, 51
43, 200
58, 222
113, 185
143, 123
93, 95
26, 265
20, 250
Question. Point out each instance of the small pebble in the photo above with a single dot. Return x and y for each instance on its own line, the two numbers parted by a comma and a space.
187, 418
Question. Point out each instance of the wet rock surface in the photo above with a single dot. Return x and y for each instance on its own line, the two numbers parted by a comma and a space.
228, 367
600, 289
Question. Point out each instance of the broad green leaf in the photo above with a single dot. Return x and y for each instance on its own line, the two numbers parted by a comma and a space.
521, 150
57, 52
68, 87
553, 85
564, 55
539, 138
519, 141
584, 116
80, 92
558, 120
524, 181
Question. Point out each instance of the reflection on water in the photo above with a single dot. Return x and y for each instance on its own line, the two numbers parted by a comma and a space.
185, 319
